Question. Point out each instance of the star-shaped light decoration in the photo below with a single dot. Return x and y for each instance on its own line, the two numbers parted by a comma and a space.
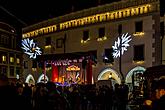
30, 48
121, 46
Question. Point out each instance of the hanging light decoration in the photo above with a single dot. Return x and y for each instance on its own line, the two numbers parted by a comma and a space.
121, 45
30, 48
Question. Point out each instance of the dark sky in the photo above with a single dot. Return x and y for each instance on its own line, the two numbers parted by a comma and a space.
33, 11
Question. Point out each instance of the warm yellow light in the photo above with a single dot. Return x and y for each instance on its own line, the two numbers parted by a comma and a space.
138, 62
138, 34
73, 68
18, 61
48, 68
34, 69
56, 79
99, 39
3, 58
148, 102
11, 59
102, 38
48, 46
160, 93
130, 11
110, 76
43, 30
84, 41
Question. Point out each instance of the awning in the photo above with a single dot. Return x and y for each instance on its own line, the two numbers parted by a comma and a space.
154, 72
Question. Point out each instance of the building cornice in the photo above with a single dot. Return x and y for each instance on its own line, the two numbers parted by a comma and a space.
93, 15
2, 49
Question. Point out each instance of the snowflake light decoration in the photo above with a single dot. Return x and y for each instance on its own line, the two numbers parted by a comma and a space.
30, 48
121, 45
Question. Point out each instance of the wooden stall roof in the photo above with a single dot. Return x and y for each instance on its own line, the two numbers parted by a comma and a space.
155, 71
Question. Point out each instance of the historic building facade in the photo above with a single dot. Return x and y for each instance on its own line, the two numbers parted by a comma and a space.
92, 33
163, 38
10, 53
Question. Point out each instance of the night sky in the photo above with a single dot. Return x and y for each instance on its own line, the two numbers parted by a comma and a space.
33, 11
28, 12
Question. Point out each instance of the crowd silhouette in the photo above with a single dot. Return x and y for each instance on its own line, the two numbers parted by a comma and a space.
49, 96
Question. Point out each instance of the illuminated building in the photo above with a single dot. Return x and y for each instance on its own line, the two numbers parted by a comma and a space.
10, 53
96, 30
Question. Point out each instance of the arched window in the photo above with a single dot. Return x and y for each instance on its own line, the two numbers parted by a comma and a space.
43, 78
30, 79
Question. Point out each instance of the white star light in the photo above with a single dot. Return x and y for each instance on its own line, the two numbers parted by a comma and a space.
30, 48
121, 45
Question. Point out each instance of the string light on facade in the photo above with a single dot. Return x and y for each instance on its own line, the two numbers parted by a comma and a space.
30, 48
121, 45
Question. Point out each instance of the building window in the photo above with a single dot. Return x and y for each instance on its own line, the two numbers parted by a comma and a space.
93, 56
139, 10
34, 64
162, 29
139, 26
138, 53
107, 56
26, 64
121, 14
41, 64
11, 59
18, 71
18, 61
11, 71
3, 58
3, 70
59, 43
48, 41
85, 35
101, 32
119, 29
114, 15
14, 43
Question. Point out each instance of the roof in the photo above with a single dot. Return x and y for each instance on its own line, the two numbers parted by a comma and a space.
6, 27
155, 71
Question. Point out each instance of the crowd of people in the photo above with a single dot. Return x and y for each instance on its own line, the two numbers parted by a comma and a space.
49, 96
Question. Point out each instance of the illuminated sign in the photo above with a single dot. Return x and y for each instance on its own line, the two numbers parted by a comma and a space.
30, 48
73, 68
62, 62
66, 62
121, 45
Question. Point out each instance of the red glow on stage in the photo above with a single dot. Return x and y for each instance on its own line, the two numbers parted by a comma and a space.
54, 73
89, 72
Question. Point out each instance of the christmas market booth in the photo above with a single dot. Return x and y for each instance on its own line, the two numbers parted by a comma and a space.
154, 85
